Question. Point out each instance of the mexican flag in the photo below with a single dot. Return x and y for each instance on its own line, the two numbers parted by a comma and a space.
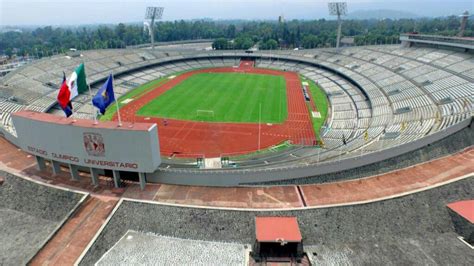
64, 96
77, 82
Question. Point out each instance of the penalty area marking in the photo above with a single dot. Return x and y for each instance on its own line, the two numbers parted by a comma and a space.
207, 113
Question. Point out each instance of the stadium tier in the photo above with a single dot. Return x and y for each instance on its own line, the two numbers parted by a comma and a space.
383, 100
32, 215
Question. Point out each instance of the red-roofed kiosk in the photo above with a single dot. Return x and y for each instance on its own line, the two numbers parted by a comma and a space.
277, 239
462, 215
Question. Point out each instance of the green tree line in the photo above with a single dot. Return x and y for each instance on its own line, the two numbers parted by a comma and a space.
49, 40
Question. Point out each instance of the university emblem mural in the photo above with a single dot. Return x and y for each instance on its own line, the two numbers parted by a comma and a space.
94, 144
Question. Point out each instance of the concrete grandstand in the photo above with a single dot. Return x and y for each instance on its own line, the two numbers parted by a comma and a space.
385, 101
405, 114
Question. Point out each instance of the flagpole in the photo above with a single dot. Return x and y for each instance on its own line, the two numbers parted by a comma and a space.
95, 116
116, 104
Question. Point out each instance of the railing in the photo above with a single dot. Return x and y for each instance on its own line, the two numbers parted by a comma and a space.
436, 39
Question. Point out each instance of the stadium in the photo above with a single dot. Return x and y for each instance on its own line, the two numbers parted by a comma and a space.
369, 147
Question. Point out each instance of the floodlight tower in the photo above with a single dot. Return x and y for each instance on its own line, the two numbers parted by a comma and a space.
464, 16
281, 19
338, 9
153, 13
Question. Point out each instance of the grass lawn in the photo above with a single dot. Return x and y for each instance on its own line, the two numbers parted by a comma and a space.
321, 102
223, 97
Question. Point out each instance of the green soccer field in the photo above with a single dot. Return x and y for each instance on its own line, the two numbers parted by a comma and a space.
223, 97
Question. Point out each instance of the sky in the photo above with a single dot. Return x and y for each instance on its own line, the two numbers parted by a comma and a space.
76, 12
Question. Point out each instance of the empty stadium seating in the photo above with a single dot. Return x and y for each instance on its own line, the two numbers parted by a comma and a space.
395, 94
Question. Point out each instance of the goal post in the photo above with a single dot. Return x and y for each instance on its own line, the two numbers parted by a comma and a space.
205, 114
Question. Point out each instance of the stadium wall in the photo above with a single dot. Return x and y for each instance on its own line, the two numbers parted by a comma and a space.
251, 176
132, 147
452, 144
8, 136
371, 163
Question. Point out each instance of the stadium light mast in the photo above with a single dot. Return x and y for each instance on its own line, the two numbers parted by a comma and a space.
338, 9
153, 13
464, 16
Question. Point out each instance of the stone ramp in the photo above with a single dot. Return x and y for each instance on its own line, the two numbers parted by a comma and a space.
69, 242
30, 214
21, 235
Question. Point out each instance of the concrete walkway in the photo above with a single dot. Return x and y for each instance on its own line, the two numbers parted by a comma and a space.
74, 236
72, 239
375, 188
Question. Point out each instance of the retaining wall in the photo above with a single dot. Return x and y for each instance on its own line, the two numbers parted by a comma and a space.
261, 175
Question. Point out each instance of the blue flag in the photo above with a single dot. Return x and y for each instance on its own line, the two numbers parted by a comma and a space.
105, 96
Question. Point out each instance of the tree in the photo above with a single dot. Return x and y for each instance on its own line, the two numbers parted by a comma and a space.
269, 45
44, 41
298, 36
243, 43
120, 31
9, 52
310, 41
220, 44
231, 30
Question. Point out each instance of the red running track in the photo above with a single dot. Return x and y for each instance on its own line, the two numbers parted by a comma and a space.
203, 139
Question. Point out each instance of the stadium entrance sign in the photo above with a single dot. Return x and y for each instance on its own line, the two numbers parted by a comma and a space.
133, 148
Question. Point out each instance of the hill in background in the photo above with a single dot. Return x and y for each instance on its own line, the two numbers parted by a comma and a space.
381, 14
